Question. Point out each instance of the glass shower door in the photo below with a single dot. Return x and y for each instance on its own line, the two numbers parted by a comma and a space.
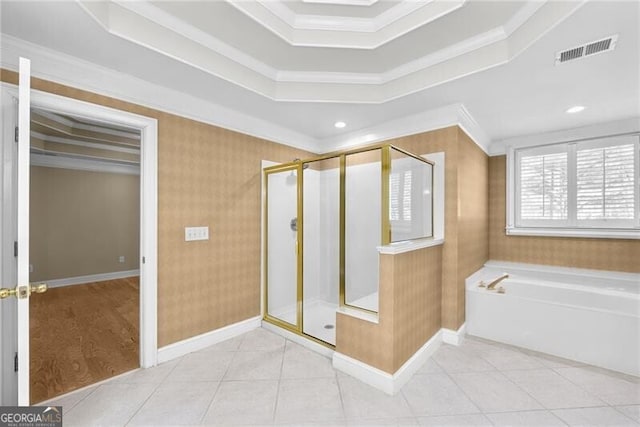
282, 269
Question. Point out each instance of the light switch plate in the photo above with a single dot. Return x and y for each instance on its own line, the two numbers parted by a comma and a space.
196, 233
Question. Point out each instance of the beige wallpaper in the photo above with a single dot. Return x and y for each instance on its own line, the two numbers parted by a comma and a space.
600, 254
473, 215
465, 176
418, 290
82, 222
409, 312
207, 176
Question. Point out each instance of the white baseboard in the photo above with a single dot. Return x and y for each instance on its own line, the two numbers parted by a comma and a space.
207, 339
384, 381
452, 337
78, 280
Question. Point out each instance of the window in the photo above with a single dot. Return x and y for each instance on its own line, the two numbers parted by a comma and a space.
400, 196
585, 185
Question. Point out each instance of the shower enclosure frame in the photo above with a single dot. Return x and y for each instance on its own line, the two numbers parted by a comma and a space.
385, 238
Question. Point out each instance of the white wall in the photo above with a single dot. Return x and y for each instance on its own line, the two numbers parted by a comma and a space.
312, 261
362, 230
281, 245
330, 234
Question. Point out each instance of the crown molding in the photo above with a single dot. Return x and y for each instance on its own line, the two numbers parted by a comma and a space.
341, 31
88, 127
449, 115
70, 71
149, 26
86, 144
598, 130
88, 165
344, 2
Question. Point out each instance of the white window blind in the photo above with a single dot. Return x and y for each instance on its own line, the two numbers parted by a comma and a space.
544, 186
400, 196
587, 184
394, 202
406, 196
605, 183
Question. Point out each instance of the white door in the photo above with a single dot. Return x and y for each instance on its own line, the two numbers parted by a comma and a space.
16, 295
24, 143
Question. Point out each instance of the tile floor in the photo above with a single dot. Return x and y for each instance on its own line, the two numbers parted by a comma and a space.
262, 379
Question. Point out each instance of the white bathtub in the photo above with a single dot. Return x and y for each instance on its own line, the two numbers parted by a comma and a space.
585, 315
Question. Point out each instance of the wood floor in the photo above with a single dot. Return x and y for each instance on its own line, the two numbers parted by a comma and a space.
82, 334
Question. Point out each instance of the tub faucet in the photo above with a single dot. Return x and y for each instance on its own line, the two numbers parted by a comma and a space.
491, 286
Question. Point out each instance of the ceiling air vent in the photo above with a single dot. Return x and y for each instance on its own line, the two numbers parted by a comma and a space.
588, 49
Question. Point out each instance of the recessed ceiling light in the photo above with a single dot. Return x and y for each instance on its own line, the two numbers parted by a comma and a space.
575, 109
339, 125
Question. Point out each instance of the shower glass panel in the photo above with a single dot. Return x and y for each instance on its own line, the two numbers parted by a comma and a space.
410, 197
321, 258
363, 224
282, 245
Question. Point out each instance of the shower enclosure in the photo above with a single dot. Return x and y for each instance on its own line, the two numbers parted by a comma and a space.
324, 221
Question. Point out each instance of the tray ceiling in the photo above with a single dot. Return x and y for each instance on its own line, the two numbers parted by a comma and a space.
242, 76
258, 45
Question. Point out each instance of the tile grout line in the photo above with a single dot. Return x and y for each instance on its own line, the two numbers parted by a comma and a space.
143, 403
275, 405
615, 408
213, 397
584, 389
344, 412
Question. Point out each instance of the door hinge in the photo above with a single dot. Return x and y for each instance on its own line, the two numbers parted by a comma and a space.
15, 249
144, 260
15, 363
16, 134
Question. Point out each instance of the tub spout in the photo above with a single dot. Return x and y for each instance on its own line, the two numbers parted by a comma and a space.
491, 286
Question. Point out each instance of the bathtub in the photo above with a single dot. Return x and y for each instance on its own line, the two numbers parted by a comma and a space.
589, 316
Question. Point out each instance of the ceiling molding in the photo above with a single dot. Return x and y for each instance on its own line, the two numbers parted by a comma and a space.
617, 127
88, 127
70, 71
87, 165
67, 70
344, 2
147, 25
80, 143
449, 115
341, 31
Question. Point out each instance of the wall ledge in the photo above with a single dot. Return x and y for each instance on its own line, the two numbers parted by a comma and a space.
359, 314
408, 246
384, 381
198, 342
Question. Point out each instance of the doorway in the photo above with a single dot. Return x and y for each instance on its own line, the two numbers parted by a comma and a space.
84, 243
15, 316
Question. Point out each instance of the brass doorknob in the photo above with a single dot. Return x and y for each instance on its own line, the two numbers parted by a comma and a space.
23, 291
6, 293
40, 288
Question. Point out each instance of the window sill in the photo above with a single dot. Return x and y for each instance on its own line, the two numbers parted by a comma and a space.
593, 233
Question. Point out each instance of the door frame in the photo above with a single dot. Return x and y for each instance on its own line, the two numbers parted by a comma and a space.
148, 218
